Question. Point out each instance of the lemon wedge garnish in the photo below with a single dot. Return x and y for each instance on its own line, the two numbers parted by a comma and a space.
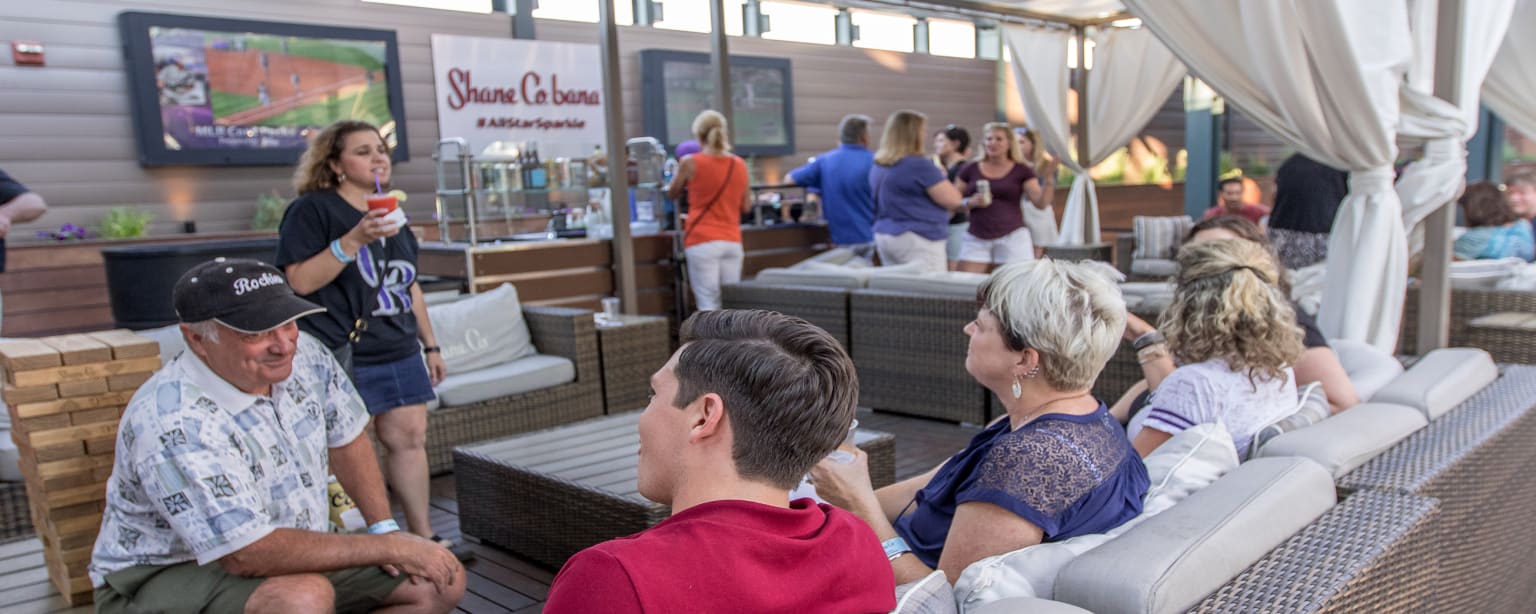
398, 194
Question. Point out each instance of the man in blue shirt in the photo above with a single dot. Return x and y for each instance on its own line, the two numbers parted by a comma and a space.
842, 177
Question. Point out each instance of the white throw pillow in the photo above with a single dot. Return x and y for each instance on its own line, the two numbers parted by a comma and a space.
482, 331
930, 595
1189, 461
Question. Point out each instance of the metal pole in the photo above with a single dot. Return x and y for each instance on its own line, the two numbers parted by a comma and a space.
1435, 275
719, 59
644, 16
920, 36
618, 180
752, 18
1083, 124
522, 20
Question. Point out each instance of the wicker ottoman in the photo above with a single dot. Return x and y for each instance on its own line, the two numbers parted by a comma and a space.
548, 494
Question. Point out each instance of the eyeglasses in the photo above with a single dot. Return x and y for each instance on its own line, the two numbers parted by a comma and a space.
358, 328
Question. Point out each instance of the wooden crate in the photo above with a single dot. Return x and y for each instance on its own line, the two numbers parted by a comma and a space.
66, 395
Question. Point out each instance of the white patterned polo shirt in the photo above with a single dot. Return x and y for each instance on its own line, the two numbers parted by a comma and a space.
204, 469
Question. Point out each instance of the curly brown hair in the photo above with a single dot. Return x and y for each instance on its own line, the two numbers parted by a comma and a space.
1226, 306
314, 172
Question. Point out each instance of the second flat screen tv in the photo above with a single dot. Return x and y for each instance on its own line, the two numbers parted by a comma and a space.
213, 91
676, 86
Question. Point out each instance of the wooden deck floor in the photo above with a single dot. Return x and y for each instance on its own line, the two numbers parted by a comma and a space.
499, 581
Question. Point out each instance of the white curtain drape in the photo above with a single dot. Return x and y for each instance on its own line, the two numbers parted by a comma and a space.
1323, 76
1511, 84
1443, 128
1132, 75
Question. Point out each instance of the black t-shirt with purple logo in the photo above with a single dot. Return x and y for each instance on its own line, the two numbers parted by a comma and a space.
377, 285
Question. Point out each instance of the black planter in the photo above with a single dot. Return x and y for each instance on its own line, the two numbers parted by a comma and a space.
140, 277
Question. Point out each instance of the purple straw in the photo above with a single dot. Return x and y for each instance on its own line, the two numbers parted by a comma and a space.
378, 188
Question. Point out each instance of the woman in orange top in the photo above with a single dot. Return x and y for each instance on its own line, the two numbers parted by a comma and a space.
716, 180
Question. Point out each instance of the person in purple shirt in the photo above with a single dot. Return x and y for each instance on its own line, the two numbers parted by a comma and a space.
841, 176
998, 234
1057, 465
913, 198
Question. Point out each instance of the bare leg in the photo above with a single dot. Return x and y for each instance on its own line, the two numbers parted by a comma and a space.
403, 431
415, 596
307, 592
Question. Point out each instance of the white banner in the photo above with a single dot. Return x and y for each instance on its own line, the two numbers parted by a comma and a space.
493, 89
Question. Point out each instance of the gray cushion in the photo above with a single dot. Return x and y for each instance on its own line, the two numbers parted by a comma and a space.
955, 283
525, 374
1369, 369
1441, 380
10, 467
1155, 267
1173, 560
807, 277
1027, 605
481, 331
1350, 438
1312, 409
1158, 238
930, 595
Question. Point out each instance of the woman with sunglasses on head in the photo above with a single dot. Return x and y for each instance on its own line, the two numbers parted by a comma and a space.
360, 264
997, 234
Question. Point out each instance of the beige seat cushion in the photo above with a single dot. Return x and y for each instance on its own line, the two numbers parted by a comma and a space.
1441, 380
951, 283
482, 330
1347, 440
525, 374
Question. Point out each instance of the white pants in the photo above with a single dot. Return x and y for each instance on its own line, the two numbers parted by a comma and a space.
911, 247
1016, 246
711, 265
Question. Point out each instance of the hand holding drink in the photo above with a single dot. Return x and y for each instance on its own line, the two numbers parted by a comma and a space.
984, 192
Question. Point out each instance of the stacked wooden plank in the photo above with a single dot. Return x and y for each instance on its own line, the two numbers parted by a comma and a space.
66, 395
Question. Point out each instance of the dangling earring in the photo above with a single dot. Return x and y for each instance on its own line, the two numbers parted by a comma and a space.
1018, 389
343, 177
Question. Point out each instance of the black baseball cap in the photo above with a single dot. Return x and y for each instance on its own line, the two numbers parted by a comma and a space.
249, 296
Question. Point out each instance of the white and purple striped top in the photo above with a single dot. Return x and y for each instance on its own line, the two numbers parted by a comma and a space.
1211, 392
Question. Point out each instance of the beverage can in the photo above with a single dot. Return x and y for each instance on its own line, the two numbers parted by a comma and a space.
984, 190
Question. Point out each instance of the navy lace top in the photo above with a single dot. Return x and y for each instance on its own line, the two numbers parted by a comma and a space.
1069, 475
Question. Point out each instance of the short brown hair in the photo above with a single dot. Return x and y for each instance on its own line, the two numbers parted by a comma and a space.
1485, 205
314, 172
789, 389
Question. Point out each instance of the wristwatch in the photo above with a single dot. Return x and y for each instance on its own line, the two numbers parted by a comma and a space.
431, 349
895, 547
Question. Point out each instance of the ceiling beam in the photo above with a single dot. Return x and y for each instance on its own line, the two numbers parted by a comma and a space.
984, 8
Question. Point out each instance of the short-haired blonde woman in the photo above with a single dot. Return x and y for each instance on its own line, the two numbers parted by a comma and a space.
997, 234
1056, 466
1234, 336
913, 198
716, 180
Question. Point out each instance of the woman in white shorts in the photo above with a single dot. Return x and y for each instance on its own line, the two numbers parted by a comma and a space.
998, 234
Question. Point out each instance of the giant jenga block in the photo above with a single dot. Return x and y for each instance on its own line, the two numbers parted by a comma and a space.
66, 395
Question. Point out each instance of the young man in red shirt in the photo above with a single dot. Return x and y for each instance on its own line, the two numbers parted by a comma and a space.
737, 417
1232, 203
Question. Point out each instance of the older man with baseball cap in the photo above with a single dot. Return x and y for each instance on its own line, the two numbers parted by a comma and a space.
222, 457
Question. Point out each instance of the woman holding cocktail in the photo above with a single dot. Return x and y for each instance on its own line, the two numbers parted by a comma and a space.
344, 245
1004, 183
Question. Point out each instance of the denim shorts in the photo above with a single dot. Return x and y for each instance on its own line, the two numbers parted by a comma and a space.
393, 384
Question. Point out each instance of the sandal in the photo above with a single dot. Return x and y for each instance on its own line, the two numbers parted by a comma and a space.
460, 551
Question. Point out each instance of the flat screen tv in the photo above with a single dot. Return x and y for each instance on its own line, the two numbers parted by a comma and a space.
209, 91
676, 86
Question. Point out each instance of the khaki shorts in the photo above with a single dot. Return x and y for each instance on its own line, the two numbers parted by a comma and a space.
188, 587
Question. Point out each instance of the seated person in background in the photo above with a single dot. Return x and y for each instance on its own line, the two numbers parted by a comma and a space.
222, 457
1232, 203
739, 414
1495, 231
1234, 336
1318, 363
1056, 466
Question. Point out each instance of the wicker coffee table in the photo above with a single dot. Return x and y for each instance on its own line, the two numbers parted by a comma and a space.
548, 494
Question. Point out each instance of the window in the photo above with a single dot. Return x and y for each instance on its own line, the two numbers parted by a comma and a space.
693, 16
468, 6
801, 22
583, 10
956, 39
883, 31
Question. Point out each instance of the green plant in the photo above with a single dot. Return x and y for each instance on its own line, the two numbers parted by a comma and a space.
269, 211
125, 223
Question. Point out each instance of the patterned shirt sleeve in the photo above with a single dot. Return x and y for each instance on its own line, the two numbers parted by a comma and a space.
203, 488
1181, 402
345, 414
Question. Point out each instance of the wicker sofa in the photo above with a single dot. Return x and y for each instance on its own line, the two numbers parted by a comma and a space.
1506, 345
1433, 492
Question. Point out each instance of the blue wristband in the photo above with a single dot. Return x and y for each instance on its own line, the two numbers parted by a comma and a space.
894, 547
383, 526
340, 255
